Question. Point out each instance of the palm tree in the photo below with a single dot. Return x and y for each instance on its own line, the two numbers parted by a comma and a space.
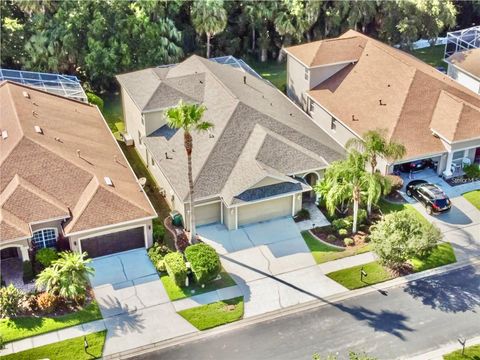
260, 14
375, 144
347, 178
209, 17
188, 117
377, 186
49, 280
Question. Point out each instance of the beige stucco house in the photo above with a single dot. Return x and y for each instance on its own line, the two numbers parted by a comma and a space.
258, 162
353, 83
464, 67
64, 178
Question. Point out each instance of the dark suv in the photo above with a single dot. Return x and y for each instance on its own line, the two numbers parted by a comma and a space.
430, 195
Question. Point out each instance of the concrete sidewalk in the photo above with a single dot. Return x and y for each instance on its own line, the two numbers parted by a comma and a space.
347, 262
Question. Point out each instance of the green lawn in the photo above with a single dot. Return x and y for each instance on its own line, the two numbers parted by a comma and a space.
215, 314
23, 327
471, 353
67, 349
431, 55
473, 197
112, 109
388, 207
376, 273
322, 252
272, 71
175, 293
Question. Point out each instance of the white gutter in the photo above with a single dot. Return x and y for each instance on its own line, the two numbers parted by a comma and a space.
107, 227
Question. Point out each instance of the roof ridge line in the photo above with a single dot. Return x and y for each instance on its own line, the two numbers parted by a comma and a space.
41, 193
15, 217
218, 80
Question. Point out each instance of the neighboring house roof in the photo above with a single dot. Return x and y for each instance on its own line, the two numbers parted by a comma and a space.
258, 132
468, 61
59, 173
409, 91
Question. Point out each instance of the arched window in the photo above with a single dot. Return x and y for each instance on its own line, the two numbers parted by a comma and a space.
44, 238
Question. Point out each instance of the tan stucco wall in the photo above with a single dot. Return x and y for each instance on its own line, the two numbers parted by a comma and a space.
265, 210
21, 245
147, 224
153, 121
463, 78
267, 181
297, 85
133, 122
320, 74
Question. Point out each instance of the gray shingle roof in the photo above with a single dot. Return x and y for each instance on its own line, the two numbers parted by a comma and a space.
258, 132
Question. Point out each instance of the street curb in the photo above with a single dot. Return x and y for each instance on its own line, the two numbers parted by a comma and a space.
446, 349
313, 304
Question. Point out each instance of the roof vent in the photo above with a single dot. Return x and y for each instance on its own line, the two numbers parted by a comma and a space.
58, 139
38, 129
244, 79
108, 181
381, 103
4, 134
78, 152
353, 118
26, 94
34, 113
167, 157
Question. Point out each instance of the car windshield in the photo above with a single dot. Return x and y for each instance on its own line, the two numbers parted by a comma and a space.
441, 203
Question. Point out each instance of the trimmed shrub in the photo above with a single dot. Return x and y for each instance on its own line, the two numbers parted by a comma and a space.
343, 232
27, 271
95, 100
204, 262
156, 254
348, 241
472, 171
331, 238
46, 256
396, 181
176, 268
47, 302
30, 302
11, 300
160, 265
158, 230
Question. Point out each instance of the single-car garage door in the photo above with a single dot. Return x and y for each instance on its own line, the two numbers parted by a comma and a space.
115, 242
265, 210
207, 214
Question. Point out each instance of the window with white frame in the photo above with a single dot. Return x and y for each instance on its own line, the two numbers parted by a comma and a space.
44, 238
306, 74
139, 138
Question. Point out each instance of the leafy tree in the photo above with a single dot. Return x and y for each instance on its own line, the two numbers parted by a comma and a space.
346, 178
260, 14
361, 12
334, 13
209, 17
400, 236
10, 301
67, 276
189, 118
14, 31
374, 144
377, 185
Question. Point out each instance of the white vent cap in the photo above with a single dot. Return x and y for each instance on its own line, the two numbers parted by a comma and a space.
38, 129
108, 181
26, 94
4, 134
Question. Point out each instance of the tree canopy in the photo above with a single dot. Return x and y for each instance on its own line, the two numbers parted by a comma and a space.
96, 39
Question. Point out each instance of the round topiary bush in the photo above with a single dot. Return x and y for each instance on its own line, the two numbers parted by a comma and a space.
343, 232
46, 256
331, 238
176, 268
204, 262
348, 241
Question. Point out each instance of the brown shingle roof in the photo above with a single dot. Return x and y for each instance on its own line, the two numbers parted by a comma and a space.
50, 175
468, 61
410, 93
330, 51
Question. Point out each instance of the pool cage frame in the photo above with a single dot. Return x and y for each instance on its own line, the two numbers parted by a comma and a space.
462, 40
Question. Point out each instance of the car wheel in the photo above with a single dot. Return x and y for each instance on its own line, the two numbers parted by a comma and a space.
409, 192
429, 210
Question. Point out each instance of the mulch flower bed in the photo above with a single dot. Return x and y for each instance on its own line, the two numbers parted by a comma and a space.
63, 307
179, 236
323, 233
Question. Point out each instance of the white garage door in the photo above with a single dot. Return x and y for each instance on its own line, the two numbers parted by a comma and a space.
207, 214
265, 210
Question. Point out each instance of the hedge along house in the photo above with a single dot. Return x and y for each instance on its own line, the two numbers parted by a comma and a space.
258, 162
352, 84
62, 175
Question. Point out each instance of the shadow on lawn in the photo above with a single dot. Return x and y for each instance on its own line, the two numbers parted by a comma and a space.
460, 294
386, 321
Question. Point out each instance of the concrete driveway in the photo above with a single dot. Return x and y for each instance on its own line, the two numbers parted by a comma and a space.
271, 264
133, 302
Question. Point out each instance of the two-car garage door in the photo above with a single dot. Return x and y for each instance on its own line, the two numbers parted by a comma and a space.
265, 210
114, 242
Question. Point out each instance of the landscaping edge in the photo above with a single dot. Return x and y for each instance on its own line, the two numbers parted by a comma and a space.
446, 349
326, 243
292, 309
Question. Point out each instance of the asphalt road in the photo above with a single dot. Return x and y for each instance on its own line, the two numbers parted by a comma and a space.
408, 320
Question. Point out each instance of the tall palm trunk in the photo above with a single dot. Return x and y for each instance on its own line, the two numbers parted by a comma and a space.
189, 147
253, 38
208, 45
356, 201
373, 163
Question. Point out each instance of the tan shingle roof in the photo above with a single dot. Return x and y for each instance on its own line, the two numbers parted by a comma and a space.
409, 90
43, 177
330, 51
468, 61
236, 109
